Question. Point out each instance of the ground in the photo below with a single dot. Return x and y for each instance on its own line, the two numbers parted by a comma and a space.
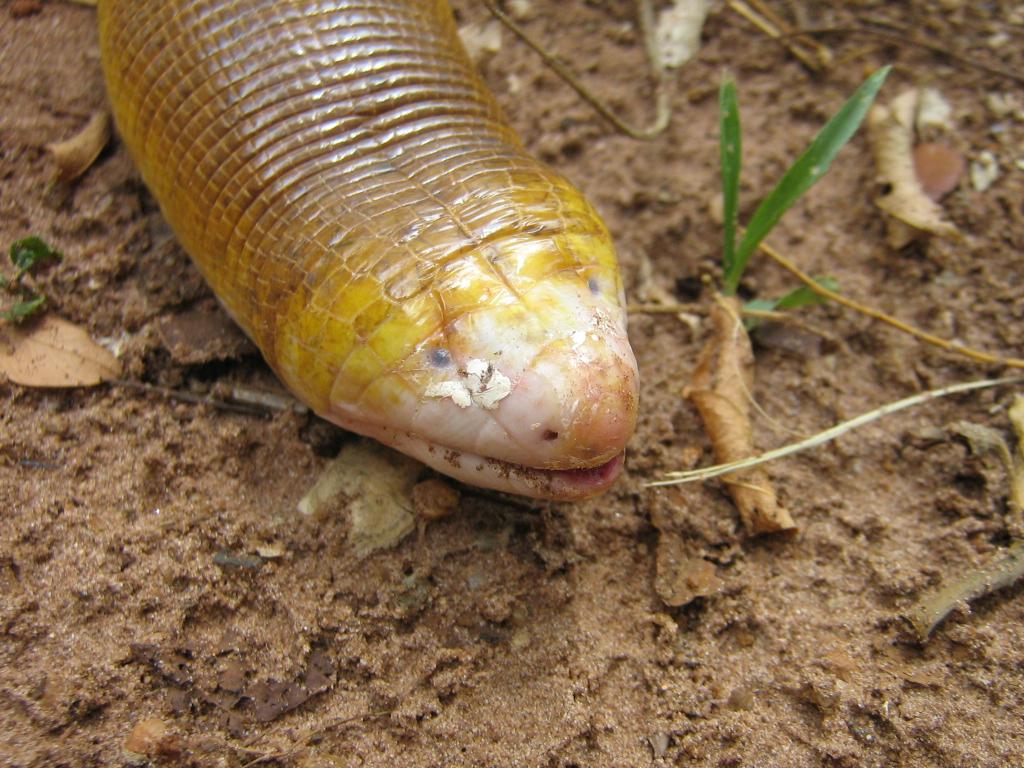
515, 632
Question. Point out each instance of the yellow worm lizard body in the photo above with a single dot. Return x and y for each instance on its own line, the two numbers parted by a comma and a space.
358, 202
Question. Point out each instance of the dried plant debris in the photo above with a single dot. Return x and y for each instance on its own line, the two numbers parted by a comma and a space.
76, 155
54, 353
721, 389
1007, 567
376, 484
1003, 571
891, 131
678, 31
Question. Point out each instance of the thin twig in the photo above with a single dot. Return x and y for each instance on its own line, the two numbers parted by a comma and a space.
1004, 571
189, 397
771, 27
949, 346
662, 107
706, 473
940, 49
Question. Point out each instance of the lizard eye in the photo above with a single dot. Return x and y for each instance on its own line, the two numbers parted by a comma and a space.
439, 357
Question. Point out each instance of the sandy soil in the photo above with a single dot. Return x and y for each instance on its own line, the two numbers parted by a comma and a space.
517, 633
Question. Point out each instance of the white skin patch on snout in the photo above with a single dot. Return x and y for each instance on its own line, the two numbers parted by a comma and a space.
480, 383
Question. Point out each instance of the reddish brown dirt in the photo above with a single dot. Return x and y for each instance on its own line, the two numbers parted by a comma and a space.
530, 634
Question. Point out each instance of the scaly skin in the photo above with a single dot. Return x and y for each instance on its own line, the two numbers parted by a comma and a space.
359, 204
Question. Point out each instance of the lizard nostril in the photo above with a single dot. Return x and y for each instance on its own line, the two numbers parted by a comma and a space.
549, 435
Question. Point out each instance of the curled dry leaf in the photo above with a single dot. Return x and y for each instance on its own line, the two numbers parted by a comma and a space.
54, 353
376, 484
75, 155
678, 31
720, 388
891, 131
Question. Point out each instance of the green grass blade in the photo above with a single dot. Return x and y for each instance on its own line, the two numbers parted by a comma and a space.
805, 297
803, 174
731, 150
795, 299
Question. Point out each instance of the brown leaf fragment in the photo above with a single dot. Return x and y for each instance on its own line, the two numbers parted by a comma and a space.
74, 156
720, 388
679, 577
54, 353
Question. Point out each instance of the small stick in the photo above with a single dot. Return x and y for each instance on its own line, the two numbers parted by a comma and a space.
706, 473
1004, 571
663, 112
189, 397
974, 354
771, 28
939, 49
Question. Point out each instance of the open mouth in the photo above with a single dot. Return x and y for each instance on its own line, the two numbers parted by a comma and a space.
535, 482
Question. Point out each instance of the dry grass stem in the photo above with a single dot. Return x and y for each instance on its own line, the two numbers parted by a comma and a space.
949, 346
762, 17
663, 108
707, 473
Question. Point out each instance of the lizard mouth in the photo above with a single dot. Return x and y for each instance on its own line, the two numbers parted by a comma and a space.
496, 474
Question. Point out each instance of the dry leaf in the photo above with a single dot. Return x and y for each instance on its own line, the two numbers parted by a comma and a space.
891, 130
54, 353
377, 483
678, 31
720, 388
75, 155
